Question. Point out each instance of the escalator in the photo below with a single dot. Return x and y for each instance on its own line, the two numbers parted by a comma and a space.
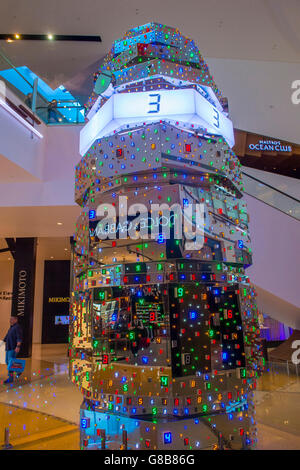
274, 197
274, 226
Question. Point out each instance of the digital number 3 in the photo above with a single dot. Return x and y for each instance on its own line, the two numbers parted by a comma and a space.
216, 118
155, 103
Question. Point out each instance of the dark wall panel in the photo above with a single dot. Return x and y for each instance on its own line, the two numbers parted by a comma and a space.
56, 302
23, 289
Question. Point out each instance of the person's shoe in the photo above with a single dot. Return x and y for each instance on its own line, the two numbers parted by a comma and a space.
8, 381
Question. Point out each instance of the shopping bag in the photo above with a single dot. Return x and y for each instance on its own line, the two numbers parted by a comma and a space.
2, 352
16, 365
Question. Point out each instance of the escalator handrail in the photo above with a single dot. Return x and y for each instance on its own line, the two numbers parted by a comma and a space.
271, 187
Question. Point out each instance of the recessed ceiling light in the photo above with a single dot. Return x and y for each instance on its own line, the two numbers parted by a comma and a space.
59, 223
66, 249
51, 257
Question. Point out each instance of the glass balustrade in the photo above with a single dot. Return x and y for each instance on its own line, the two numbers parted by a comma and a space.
31, 97
271, 196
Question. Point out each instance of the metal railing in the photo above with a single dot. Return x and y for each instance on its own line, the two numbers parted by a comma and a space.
26, 96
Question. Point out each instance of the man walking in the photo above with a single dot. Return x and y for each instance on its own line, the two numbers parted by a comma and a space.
13, 341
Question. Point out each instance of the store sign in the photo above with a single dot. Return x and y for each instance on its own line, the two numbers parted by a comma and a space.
270, 146
186, 106
22, 292
59, 299
5, 295
144, 224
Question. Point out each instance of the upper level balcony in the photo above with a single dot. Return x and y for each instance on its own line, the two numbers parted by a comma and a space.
35, 97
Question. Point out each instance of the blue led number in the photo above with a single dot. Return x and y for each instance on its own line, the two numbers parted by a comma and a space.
85, 423
167, 438
216, 118
155, 103
160, 238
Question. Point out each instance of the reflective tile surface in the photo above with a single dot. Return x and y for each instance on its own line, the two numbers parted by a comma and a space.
41, 409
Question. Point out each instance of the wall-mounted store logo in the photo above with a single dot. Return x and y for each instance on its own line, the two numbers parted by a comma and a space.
59, 299
21, 293
295, 97
270, 146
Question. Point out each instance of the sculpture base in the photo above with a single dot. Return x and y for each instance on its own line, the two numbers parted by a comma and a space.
101, 430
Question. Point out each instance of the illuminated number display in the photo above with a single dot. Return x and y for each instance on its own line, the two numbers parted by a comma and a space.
102, 295
154, 103
167, 438
186, 359
216, 117
105, 359
164, 381
180, 292
85, 423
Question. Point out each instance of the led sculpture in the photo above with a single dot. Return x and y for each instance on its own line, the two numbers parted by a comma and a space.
164, 336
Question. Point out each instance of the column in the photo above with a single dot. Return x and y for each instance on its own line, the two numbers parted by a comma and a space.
23, 289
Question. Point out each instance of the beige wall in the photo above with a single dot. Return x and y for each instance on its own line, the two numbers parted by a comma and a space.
6, 282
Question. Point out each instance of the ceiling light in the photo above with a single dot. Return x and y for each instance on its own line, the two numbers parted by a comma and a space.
50, 36
17, 36
59, 223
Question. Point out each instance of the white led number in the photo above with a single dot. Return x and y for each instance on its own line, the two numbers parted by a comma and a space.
186, 359
155, 97
216, 118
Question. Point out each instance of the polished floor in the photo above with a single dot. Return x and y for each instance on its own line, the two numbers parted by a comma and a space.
41, 409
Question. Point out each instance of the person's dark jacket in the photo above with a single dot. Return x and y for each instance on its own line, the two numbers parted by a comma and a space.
13, 336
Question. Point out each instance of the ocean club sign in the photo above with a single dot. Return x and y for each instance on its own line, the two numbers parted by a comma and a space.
270, 146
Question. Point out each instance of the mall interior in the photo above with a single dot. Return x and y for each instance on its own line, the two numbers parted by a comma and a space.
137, 345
